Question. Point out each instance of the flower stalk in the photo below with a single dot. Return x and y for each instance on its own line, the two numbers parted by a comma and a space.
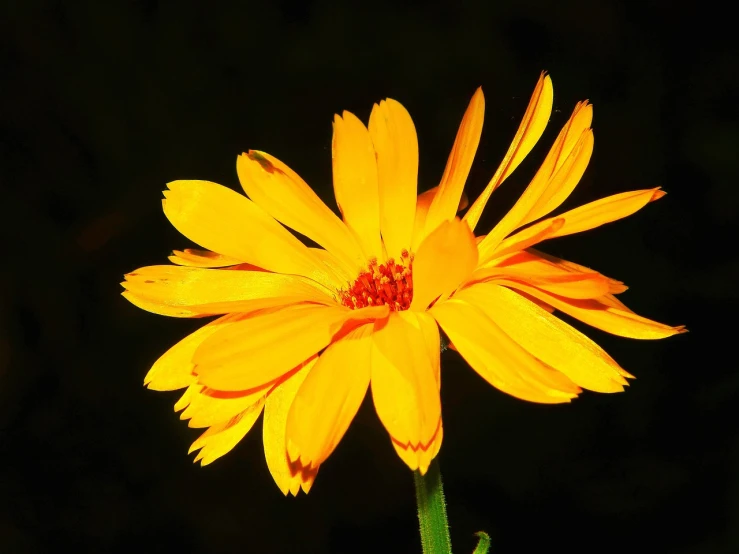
432, 511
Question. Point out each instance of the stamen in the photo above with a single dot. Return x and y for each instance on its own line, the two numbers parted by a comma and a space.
389, 284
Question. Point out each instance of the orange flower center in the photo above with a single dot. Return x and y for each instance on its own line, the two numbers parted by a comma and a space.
388, 284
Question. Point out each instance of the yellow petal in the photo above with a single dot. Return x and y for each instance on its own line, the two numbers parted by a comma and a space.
329, 398
209, 407
532, 126
445, 203
214, 291
276, 409
263, 347
522, 240
193, 257
405, 382
396, 147
173, 370
498, 359
606, 210
548, 188
568, 284
285, 196
221, 439
444, 260
602, 316
355, 182
220, 219
547, 337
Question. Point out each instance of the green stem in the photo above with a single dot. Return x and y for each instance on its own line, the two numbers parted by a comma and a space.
432, 511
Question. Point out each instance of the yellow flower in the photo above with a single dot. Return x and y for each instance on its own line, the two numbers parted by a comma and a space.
304, 331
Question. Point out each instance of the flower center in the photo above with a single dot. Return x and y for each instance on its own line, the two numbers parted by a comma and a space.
388, 284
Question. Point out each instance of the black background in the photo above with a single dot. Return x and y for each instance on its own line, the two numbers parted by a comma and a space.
103, 103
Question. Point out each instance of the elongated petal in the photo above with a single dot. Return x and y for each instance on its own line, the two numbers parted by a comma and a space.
445, 203
552, 190
602, 316
443, 261
329, 398
522, 240
547, 337
405, 382
173, 370
355, 182
221, 439
192, 257
423, 204
532, 126
220, 219
498, 359
396, 147
285, 196
606, 210
263, 347
286, 475
539, 264
214, 291
209, 407
568, 284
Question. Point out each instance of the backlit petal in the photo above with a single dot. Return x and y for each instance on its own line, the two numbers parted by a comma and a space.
532, 126
443, 261
547, 337
445, 203
286, 475
214, 291
173, 370
329, 398
528, 237
193, 257
602, 316
221, 439
498, 359
209, 407
606, 210
568, 284
396, 147
285, 196
405, 382
556, 178
355, 182
224, 221
263, 347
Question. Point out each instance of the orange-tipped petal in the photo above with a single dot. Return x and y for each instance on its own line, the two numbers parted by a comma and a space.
193, 257
522, 240
547, 337
173, 370
224, 221
214, 291
329, 398
532, 126
445, 203
355, 182
396, 147
498, 359
285, 196
405, 382
209, 407
606, 210
598, 314
274, 431
443, 261
263, 347
568, 284
221, 439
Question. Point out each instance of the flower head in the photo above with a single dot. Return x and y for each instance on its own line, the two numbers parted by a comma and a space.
303, 332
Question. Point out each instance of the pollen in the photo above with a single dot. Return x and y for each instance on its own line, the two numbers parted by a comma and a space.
389, 284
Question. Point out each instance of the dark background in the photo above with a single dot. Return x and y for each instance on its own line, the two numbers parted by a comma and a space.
101, 104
